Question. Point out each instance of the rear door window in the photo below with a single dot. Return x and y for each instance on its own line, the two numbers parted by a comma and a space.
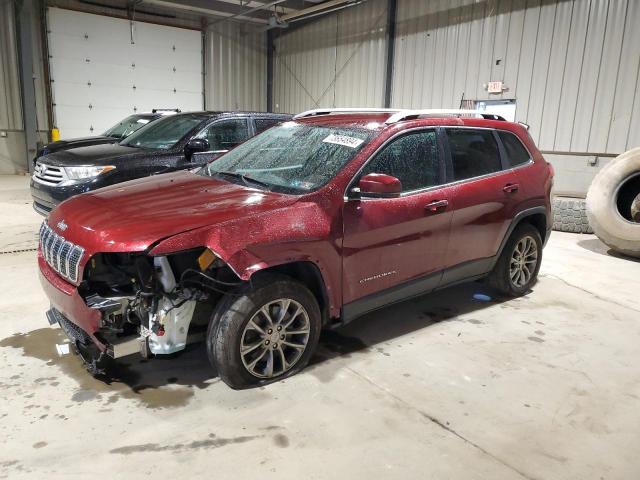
474, 153
263, 124
516, 153
226, 134
411, 158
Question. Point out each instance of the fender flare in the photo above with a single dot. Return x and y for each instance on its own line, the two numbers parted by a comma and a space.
520, 216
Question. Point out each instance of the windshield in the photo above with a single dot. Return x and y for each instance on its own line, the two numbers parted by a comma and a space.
292, 157
127, 126
164, 133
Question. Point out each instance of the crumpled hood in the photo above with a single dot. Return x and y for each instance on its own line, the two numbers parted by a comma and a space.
132, 216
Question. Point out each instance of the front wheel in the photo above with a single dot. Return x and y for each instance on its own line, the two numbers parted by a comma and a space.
517, 268
265, 331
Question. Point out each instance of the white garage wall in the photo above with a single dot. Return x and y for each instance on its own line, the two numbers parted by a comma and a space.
99, 76
235, 68
338, 60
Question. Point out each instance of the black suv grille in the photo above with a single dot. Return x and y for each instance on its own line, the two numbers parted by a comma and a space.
63, 256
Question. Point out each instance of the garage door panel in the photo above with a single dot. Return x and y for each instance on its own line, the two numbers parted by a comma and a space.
107, 93
97, 50
154, 78
77, 125
188, 61
184, 79
69, 69
69, 47
108, 56
187, 101
72, 93
105, 74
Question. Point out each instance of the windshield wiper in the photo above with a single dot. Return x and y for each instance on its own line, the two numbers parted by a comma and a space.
246, 180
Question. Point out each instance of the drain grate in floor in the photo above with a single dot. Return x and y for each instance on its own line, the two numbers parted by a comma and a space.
7, 252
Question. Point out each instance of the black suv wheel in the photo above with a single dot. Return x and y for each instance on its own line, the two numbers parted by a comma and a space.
263, 332
517, 268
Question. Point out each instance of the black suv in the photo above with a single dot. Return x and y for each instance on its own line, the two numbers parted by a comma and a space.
176, 142
115, 134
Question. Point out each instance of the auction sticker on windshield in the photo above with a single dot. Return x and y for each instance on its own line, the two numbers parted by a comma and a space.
343, 140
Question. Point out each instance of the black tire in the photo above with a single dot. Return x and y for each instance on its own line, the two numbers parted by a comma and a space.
232, 315
570, 215
500, 277
613, 203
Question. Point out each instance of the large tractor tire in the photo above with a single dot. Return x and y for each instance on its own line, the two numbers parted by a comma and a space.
613, 204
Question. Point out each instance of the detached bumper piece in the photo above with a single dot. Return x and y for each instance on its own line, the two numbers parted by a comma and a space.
91, 355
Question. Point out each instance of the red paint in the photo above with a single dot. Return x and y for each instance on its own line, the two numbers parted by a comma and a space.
404, 237
379, 183
66, 299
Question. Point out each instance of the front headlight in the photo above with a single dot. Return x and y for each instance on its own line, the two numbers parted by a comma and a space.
87, 171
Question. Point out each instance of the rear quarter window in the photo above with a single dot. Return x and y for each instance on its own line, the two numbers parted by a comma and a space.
516, 153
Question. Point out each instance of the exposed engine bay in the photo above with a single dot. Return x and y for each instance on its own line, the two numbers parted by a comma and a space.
153, 305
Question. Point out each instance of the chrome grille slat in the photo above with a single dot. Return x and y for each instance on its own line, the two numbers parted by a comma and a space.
63, 261
55, 250
49, 245
49, 174
63, 256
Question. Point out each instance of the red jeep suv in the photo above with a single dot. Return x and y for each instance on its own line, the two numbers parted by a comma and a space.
309, 224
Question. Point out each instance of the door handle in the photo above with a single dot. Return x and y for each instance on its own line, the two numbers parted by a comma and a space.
511, 187
436, 205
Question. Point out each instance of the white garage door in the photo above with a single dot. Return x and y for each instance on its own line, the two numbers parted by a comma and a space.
104, 69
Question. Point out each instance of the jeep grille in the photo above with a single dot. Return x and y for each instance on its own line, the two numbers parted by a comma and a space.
62, 255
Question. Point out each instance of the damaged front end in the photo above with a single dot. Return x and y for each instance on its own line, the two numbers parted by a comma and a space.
148, 305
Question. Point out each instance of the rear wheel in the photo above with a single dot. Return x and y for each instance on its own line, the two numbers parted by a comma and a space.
517, 268
264, 332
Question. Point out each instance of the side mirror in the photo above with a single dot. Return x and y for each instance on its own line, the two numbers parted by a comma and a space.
196, 145
380, 185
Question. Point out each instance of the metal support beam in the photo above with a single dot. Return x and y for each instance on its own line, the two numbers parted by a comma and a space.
25, 59
391, 45
263, 6
203, 11
270, 51
330, 4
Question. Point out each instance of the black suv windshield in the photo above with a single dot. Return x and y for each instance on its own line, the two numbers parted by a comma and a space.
164, 133
292, 157
127, 126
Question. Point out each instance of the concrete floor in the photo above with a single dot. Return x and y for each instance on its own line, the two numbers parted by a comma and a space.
543, 387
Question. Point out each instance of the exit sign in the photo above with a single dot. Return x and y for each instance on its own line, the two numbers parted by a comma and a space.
494, 87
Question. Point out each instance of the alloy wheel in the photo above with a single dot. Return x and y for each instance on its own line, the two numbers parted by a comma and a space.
275, 338
523, 261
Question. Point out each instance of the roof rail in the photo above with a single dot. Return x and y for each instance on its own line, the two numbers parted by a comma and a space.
329, 111
406, 114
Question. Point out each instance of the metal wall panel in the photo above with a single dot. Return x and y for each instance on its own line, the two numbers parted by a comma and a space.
336, 60
235, 68
12, 141
10, 104
571, 65
624, 129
